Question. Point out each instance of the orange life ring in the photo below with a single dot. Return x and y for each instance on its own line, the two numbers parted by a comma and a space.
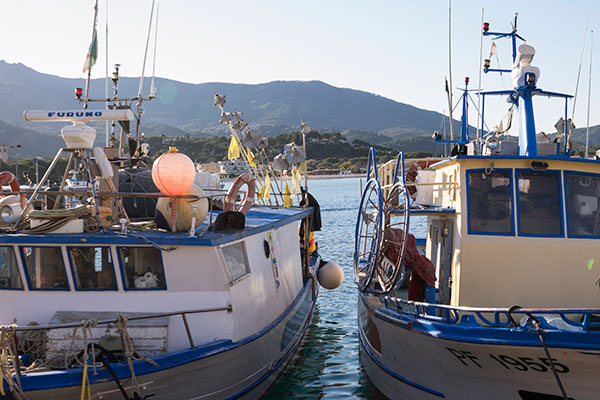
248, 200
8, 178
411, 174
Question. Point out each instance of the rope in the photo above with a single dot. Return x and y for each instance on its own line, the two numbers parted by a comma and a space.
539, 330
129, 351
60, 217
9, 363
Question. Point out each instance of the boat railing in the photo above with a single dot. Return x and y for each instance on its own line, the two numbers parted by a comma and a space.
387, 171
579, 318
183, 313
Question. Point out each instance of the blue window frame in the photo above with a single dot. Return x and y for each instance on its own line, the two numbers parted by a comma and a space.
9, 269
92, 268
539, 204
490, 202
582, 201
44, 268
142, 268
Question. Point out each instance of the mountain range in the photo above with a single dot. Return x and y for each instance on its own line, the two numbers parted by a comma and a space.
185, 109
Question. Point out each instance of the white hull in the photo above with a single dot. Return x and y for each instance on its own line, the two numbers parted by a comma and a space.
230, 371
405, 363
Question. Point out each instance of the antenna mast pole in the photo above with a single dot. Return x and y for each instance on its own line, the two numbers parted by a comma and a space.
568, 126
140, 99
587, 132
87, 84
106, 123
477, 137
450, 66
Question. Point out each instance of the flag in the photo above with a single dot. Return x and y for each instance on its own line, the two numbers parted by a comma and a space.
493, 49
287, 199
296, 181
251, 158
447, 89
234, 149
92, 54
265, 191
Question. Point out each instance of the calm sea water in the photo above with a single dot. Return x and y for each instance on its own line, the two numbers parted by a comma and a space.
327, 366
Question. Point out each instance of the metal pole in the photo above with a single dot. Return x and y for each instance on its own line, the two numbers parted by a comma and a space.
477, 136
450, 66
587, 131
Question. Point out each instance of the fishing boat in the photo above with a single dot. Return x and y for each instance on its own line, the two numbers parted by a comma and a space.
505, 303
143, 287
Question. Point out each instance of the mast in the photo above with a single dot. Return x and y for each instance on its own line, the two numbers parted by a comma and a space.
587, 130
569, 126
477, 135
106, 123
140, 98
449, 85
89, 63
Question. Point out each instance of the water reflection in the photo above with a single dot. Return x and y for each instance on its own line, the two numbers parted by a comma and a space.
328, 364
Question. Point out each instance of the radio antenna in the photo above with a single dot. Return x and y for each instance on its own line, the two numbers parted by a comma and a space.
140, 99
152, 87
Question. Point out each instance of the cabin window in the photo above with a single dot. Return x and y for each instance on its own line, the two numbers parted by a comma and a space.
583, 194
9, 270
490, 202
236, 260
93, 268
142, 268
539, 203
45, 268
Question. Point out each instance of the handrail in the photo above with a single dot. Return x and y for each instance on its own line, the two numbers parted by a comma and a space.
228, 308
452, 314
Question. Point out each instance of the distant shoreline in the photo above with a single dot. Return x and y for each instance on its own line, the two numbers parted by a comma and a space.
335, 176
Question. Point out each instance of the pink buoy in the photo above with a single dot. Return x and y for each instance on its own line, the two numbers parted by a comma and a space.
173, 173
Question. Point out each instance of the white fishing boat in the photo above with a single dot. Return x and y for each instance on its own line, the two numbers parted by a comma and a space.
145, 289
506, 303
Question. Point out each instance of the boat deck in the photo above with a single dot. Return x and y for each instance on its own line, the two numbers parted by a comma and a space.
259, 219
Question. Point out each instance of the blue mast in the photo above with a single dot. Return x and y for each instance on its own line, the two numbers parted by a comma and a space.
524, 77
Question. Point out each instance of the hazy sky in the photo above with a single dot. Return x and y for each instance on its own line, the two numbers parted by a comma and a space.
397, 49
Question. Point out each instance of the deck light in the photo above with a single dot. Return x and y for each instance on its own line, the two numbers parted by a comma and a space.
78, 92
486, 64
486, 26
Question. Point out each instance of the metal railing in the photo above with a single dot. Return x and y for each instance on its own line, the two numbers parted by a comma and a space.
581, 318
183, 314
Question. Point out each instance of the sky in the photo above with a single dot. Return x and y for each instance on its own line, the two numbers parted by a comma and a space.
394, 48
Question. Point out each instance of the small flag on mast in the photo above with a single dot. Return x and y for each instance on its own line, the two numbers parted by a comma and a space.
493, 49
92, 54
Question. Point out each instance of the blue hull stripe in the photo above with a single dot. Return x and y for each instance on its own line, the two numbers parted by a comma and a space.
394, 374
72, 377
584, 340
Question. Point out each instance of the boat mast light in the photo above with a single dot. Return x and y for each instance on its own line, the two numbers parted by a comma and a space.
486, 26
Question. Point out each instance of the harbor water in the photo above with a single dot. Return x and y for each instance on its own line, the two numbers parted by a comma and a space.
327, 366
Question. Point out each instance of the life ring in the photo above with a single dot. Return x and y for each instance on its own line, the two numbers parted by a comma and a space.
248, 200
411, 174
8, 178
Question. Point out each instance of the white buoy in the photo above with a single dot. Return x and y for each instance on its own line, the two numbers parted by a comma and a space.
330, 275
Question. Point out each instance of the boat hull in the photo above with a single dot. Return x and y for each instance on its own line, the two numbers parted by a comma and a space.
408, 358
221, 370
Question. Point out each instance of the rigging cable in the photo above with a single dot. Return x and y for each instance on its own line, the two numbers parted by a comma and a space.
569, 126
